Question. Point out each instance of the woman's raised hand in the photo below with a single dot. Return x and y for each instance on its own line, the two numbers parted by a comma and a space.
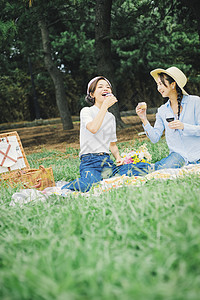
141, 110
110, 99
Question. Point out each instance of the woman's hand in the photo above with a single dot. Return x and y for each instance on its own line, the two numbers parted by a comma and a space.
119, 161
110, 100
141, 111
177, 124
115, 152
96, 123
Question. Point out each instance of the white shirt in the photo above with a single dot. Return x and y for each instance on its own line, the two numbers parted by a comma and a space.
100, 141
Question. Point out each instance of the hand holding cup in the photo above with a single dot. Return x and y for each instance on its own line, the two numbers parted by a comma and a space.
110, 100
141, 110
142, 105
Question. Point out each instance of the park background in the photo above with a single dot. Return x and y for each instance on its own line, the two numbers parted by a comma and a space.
136, 242
49, 50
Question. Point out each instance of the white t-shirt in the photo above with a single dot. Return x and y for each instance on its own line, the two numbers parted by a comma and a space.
100, 141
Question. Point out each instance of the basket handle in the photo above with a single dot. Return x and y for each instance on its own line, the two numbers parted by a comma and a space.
36, 186
42, 167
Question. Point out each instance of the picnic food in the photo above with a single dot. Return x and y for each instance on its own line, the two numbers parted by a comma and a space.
143, 105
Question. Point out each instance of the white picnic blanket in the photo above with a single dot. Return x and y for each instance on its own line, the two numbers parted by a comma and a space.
28, 195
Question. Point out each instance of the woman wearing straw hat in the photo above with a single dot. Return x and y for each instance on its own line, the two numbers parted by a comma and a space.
179, 117
98, 139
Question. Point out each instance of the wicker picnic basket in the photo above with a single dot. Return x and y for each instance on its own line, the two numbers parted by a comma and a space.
14, 166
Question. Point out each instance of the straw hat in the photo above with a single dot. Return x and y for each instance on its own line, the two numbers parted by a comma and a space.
92, 80
175, 73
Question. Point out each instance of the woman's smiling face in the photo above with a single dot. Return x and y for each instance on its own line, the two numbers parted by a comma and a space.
102, 88
165, 89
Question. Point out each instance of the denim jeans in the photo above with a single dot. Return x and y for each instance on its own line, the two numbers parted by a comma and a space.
95, 167
173, 160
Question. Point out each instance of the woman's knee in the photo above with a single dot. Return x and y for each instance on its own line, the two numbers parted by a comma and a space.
173, 160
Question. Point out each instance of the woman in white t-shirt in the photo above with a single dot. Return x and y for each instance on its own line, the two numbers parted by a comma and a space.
98, 139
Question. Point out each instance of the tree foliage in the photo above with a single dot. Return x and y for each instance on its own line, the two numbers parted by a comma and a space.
144, 35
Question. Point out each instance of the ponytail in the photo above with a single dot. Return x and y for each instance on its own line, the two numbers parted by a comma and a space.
179, 99
90, 100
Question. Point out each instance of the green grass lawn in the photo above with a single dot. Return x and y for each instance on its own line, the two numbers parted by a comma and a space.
129, 243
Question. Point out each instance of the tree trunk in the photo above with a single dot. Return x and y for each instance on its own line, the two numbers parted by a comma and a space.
57, 78
103, 49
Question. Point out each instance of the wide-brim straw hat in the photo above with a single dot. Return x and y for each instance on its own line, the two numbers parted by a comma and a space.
175, 73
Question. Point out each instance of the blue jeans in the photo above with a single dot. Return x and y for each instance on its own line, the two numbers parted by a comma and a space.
95, 167
173, 160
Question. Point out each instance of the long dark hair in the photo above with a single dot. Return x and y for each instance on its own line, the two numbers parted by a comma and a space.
89, 99
164, 76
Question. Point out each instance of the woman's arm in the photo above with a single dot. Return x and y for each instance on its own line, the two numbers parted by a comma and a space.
191, 129
190, 124
153, 133
96, 123
115, 152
